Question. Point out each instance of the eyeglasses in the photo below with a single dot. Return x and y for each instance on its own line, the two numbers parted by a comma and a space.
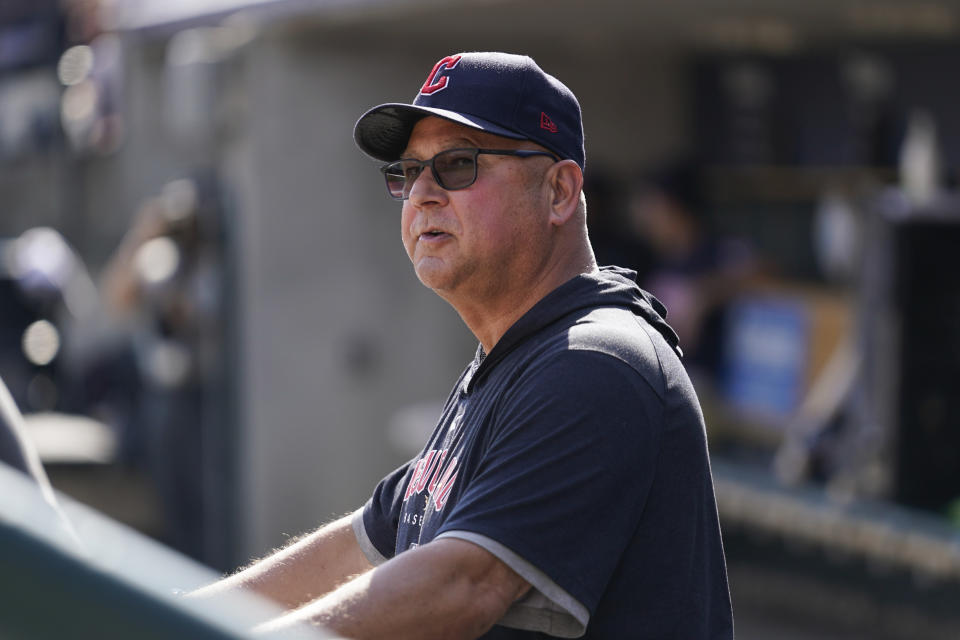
453, 169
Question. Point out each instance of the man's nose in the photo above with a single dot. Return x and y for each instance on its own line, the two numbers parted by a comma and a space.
425, 190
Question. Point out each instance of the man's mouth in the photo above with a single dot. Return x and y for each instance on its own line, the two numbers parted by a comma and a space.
433, 233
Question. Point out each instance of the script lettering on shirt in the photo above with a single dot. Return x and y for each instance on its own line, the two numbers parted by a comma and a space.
443, 487
422, 471
432, 474
422, 482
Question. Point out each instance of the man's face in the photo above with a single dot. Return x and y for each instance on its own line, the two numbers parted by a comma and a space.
480, 241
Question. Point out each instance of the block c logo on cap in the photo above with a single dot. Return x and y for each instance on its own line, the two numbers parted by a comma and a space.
433, 83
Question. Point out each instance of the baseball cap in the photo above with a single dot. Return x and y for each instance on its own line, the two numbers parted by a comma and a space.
500, 93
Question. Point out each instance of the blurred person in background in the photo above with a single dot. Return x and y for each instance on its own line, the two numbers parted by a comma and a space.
45, 292
566, 490
163, 285
695, 272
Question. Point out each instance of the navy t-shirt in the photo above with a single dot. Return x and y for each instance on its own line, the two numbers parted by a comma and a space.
576, 453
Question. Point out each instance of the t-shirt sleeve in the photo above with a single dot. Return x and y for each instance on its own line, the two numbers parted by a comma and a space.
375, 525
562, 484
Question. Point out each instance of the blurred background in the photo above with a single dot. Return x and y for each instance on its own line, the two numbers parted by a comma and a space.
208, 319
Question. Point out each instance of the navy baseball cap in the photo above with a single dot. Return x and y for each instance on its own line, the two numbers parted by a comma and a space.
500, 93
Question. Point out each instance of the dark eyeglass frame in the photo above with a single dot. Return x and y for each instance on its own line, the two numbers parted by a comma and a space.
400, 172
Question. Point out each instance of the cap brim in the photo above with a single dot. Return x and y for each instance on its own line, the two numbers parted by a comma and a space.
383, 132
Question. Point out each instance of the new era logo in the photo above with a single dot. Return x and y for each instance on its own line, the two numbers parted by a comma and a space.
547, 123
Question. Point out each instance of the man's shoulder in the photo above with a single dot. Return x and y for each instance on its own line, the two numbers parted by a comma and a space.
618, 333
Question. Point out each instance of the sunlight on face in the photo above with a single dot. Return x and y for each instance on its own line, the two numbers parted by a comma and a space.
477, 242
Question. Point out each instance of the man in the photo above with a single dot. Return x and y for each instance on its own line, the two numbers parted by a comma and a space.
566, 490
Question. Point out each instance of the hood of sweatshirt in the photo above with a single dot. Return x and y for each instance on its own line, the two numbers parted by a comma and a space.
609, 287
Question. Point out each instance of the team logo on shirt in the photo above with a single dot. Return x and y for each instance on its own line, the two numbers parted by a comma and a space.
435, 475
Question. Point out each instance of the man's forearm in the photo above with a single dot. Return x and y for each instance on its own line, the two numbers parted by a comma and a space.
303, 571
447, 589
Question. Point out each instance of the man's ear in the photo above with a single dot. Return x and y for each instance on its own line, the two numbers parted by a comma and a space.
566, 181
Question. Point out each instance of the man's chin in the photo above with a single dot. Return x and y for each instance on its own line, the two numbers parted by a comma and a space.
433, 281
432, 272
440, 281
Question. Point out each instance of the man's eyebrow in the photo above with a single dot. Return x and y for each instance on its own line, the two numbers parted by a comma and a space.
455, 143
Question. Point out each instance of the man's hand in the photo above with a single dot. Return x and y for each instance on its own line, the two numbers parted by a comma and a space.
446, 589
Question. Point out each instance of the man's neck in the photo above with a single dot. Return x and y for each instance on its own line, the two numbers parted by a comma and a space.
489, 317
